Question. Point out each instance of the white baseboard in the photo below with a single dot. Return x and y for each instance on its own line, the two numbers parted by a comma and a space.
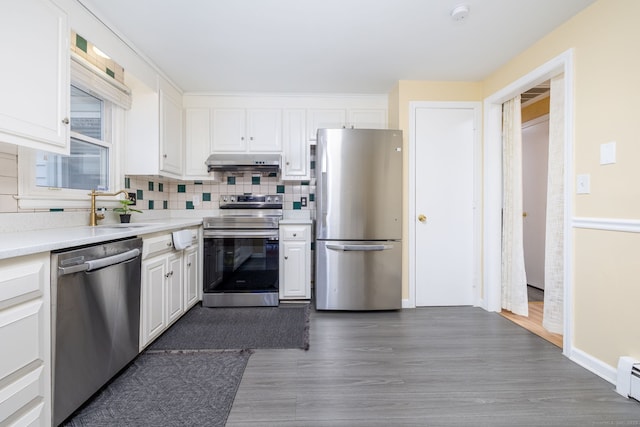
406, 303
594, 365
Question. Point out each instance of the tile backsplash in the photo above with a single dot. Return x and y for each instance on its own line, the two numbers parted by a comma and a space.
158, 193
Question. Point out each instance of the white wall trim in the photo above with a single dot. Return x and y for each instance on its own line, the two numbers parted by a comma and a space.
607, 224
562, 63
594, 365
477, 192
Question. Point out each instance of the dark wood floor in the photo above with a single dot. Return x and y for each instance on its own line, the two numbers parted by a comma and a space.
428, 366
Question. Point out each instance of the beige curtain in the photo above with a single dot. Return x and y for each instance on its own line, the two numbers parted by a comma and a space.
553, 316
514, 278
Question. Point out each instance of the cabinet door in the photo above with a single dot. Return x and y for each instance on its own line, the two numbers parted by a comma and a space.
25, 332
34, 78
153, 304
294, 266
170, 133
327, 118
264, 130
191, 277
368, 119
197, 141
228, 130
174, 287
295, 146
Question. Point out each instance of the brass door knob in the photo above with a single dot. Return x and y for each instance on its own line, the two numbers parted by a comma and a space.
524, 214
422, 218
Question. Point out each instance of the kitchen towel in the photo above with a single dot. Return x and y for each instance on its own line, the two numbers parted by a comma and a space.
182, 239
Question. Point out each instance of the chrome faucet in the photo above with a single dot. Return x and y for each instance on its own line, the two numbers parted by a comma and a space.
94, 216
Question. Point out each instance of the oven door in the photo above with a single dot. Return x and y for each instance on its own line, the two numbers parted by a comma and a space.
241, 261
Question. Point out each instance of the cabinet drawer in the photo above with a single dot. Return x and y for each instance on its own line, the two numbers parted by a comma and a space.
16, 323
20, 389
156, 245
293, 232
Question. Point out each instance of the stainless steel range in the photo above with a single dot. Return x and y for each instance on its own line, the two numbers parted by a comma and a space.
241, 252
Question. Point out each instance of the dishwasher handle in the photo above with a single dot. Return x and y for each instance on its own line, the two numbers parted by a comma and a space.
101, 262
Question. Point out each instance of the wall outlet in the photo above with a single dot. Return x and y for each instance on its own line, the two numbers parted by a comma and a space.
303, 201
132, 198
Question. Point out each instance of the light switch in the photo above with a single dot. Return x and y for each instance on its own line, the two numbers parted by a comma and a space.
583, 184
608, 153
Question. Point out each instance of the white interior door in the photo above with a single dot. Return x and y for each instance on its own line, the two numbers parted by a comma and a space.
444, 195
535, 155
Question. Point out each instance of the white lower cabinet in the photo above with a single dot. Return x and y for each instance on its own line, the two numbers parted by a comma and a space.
25, 337
191, 276
295, 261
170, 283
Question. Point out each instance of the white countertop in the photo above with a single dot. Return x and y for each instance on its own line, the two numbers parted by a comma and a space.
15, 244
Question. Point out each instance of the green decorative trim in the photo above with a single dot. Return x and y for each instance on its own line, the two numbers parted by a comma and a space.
255, 180
110, 73
206, 197
189, 205
279, 189
165, 204
150, 185
182, 188
231, 180
56, 210
151, 204
297, 205
139, 195
127, 183
81, 43
160, 187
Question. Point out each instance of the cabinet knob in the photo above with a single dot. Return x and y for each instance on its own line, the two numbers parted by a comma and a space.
295, 234
188, 264
286, 257
242, 138
251, 138
164, 156
168, 244
65, 121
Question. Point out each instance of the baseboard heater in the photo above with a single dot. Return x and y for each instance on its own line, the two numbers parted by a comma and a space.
628, 377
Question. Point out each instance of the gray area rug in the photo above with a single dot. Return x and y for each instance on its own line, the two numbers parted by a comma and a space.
168, 389
190, 375
286, 326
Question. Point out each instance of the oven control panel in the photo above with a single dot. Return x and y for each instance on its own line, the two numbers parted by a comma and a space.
251, 201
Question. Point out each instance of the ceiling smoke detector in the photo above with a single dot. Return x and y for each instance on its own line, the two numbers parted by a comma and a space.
460, 13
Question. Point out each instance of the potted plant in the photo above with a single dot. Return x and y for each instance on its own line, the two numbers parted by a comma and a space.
125, 210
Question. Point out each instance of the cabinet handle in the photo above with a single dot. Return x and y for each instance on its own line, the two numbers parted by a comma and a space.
188, 264
242, 138
65, 121
167, 275
251, 138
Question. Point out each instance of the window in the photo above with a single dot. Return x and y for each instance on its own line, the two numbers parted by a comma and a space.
97, 111
87, 166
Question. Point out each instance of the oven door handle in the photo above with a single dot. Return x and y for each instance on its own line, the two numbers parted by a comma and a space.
213, 234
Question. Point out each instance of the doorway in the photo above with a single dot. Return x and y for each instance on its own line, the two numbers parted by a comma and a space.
443, 220
492, 196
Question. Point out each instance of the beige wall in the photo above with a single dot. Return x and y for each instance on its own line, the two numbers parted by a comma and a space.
605, 40
399, 98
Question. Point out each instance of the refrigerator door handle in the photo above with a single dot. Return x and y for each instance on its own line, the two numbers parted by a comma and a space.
359, 247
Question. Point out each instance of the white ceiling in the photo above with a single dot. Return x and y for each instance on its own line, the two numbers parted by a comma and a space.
339, 46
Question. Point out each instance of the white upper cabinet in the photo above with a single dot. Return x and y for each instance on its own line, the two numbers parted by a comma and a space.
34, 77
355, 118
325, 118
170, 131
252, 130
197, 133
295, 150
154, 130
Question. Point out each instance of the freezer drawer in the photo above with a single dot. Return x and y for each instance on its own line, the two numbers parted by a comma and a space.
358, 275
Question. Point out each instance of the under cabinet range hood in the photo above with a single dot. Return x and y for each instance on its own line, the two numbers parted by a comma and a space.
266, 164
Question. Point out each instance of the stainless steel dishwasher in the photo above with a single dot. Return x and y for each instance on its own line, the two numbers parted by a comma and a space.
95, 313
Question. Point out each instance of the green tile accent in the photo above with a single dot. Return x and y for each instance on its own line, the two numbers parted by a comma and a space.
197, 182
139, 195
56, 210
150, 204
110, 73
160, 187
206, 197
231, 180
255, 180
279, 188
313, 164
189, 205
182, 188
165, 204
150, 185
313, 246
297, 205
81, 43
312, 197
127, 183
304, 183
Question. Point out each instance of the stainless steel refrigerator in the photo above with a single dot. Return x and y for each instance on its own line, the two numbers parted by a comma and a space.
358, 219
